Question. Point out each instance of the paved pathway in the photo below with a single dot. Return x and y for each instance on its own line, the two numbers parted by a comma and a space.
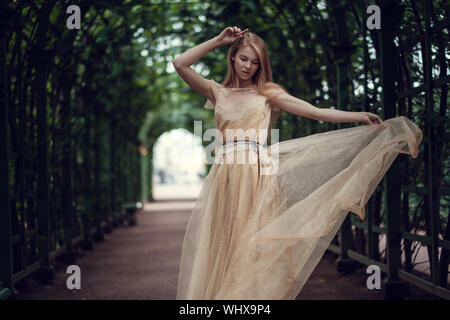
142, 261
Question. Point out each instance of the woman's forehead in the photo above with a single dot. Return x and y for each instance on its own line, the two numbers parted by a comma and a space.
248, 52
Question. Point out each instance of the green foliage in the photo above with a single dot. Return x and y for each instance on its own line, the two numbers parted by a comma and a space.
120, 66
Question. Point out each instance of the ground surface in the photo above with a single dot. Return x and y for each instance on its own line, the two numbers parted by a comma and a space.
141, 262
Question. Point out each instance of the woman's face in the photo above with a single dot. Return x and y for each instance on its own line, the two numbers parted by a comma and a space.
246, 63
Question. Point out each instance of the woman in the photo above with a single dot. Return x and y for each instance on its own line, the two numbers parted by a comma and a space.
259, 228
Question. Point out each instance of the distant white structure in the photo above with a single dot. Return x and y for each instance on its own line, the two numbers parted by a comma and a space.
178, 158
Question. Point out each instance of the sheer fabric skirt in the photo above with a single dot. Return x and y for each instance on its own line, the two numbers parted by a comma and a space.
253, 236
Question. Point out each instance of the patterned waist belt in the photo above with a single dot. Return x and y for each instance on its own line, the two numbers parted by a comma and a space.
235, 141
263, 159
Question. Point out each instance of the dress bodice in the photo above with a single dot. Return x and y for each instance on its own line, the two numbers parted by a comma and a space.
240, 113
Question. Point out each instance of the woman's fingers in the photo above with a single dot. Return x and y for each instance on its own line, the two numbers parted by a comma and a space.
246, 30
378, 120
373, 119
241, 33
238, 30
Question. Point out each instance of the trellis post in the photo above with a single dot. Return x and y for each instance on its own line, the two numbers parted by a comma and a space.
41, 58
6, 264
391, 16
67, 81
342, 51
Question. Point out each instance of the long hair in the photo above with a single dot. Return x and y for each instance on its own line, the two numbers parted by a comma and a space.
262, 77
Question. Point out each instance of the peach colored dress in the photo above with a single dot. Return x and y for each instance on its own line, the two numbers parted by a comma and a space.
260, 225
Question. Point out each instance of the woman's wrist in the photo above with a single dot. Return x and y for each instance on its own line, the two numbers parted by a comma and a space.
359, 117
217, 42
336, 115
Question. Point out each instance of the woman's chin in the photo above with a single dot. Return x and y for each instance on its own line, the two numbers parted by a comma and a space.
242, 77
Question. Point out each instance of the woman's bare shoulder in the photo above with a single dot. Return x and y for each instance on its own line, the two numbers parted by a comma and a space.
273, 91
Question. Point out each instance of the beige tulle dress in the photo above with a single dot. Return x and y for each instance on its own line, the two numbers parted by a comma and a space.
259, 228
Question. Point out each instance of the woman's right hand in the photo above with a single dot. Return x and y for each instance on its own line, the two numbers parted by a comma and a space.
371, 119
230, 34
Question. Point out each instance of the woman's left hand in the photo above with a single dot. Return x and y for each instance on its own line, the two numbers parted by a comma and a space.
370, 118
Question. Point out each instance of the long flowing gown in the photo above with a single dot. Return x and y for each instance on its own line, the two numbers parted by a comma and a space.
259, 228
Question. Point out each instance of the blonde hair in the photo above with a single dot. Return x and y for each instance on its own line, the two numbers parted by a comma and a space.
262, 77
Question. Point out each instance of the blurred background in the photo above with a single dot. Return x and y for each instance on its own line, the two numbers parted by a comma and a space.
97, 130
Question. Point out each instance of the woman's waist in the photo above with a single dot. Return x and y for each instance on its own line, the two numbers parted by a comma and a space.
239, 145
242, 152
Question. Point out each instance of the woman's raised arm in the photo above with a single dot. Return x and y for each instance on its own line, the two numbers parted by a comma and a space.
302, 108
183, 62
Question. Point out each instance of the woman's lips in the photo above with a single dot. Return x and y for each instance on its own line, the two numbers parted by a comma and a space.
245, 72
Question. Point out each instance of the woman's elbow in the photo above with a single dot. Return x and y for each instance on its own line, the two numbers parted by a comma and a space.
175, 64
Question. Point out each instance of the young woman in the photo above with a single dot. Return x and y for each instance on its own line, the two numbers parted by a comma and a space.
259, 228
